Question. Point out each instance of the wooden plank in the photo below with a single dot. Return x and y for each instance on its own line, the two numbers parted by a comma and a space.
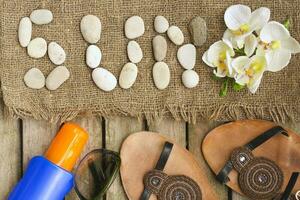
93, 125
10, 153
237, 196
117, 129
196, 134
173, 129
37, 136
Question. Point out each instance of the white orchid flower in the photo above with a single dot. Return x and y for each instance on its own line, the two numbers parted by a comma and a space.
219, 55
278, 45
237, 43
241, 22
249, 71
249, 43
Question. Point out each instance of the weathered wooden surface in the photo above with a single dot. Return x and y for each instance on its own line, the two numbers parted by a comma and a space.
10, 153
36, 137
116, 130
236, 196
172, 129
23, 139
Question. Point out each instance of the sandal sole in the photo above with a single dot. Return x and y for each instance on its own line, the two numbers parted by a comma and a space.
140, 153
221, 141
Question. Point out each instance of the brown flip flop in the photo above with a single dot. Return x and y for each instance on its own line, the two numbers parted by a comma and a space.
154, 167
255, 158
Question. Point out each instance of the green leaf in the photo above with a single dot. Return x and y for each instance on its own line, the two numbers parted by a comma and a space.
287, 23
216, 78
224, 88
237, 87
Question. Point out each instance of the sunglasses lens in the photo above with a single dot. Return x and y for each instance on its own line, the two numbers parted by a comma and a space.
95, 173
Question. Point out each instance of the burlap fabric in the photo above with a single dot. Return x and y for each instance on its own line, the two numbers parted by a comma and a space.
277, 99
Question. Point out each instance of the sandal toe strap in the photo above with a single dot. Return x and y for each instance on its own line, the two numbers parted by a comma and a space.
160, 165
222, 176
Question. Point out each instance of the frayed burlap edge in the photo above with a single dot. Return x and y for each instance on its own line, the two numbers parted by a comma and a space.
190, 114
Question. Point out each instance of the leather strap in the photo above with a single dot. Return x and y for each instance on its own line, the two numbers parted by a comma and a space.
289, 188
259, 140
222, 176
164, 156
160, 165
145, 195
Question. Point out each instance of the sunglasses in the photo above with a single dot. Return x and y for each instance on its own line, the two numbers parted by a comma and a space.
95, 173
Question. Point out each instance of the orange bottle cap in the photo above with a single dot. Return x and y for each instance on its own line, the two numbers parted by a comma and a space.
67, 146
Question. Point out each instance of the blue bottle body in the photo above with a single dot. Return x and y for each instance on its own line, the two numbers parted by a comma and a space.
43, 180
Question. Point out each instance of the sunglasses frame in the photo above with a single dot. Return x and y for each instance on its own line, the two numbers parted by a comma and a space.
115, 156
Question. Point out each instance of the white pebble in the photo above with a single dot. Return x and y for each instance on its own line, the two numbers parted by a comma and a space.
93, 56
91, 27
25, 31
161, 75
37, 48
57, 77
56, 53
160, 47
41, 16
187, 56
34, 78
175, 35
128, 75
104, 79
134, 27
134, 51
161, 24
190, 78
